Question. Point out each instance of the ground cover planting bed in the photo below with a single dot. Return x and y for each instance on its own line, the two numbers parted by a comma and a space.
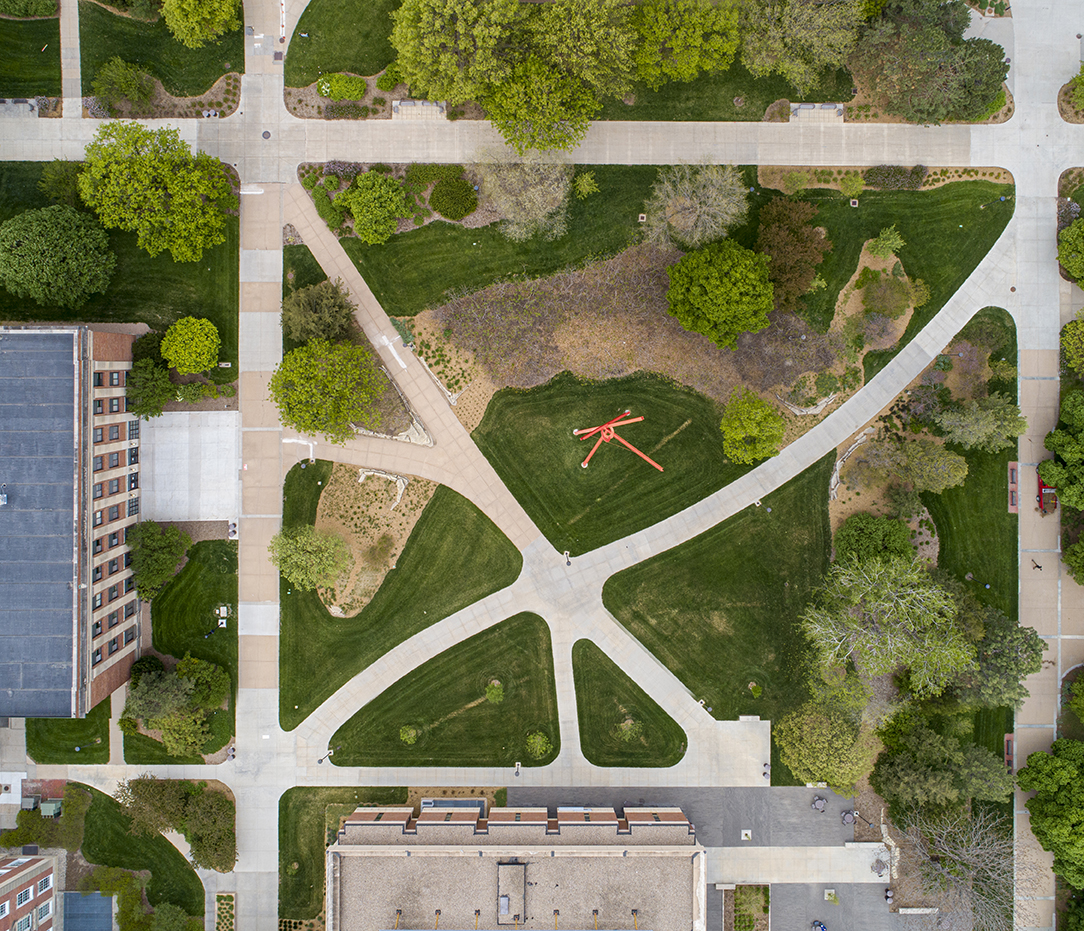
156, 291
340, 35
53, 740
720, 611
107, 841
527, 436
444, 703
181, 615
620, 724
454, 556
306, 818
183, 72
421, 268
30, 58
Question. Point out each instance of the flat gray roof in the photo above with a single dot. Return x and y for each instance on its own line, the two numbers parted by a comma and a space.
38, 461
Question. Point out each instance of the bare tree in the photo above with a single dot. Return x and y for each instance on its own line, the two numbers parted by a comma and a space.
531, 193
966, 863
694, 204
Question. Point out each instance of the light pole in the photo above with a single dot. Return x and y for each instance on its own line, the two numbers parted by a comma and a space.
330, 753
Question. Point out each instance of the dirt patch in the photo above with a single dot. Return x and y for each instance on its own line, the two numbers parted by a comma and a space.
375, 524
222, 98
415, 794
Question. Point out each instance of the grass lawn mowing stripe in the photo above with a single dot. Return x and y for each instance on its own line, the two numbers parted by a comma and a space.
53, 740
713, 97
30, 58
445, 701
720, 611
156, 291
422, 268
181, 616
620, 724
184, 72
107, 842
527, 436
454, 556
307, 816
340, 35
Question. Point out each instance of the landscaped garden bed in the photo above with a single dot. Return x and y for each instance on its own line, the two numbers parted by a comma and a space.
224, 911
488, 701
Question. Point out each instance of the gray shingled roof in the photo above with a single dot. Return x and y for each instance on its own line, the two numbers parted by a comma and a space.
37, 463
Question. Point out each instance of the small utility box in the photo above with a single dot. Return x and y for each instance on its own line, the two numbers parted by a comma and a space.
51, 808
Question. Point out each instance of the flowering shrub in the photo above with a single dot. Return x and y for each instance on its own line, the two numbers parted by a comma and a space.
341, 87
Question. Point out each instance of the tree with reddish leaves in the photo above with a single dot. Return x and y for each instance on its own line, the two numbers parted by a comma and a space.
794, 248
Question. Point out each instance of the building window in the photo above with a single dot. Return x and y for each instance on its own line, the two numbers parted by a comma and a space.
97, 379
114, 485
114, 379
133, 481
97, 573
97, 489
96, 657
114, 592
98, 434
45, 883
96, 628
97, 518
114, 512
99, 464
98, 406
97, 546
113, 617
114, 460
129, 584
114, 539
113, 646
133, 507
127, 560
114, 405
114, 565
129, 635
114, 432
133, 429
23, 897
44, 911
23, 924
129, 609
3, 909
133, 453
97, 600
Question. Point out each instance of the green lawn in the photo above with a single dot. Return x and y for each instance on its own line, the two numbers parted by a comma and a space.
721, 610
454, 556
107, 842
307, 815
527, 436
606, 701
184, 72
181, 616
53, 740
156, 291
340, 35
711, 97
30, 58
419, 269
444, 699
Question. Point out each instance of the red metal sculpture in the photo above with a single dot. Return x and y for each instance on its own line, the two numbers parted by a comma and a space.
606, 433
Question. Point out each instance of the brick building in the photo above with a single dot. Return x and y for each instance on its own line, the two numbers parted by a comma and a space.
69, 489
27, 887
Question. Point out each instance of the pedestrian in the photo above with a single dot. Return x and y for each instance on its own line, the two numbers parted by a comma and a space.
1035, 565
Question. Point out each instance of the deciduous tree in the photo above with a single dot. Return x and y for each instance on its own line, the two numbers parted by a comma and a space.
118, 80
309, 558
157, 551
1007, 654
794, 248
210, 683
865, 536
887, 244
691, 205
320, 311
1066, 472
148, 182
820, 744
55, 255
589, 40
752, 428
721, 291
680, 39
326, 388
154, 805
191, 345
149, 389
1071, 249
1057, 810
1072, 342
887, 614
158, 695
989, 423
59, 182
376, 201
194, 23
531, 194
927, 465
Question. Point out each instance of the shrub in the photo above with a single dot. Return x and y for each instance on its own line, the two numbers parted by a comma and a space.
332, 182
28, 7
826, 384
1071, 250
895, 177
390, 79
887, 295
119, 80
376, 202
191, 345
585, 185
887, 244
1076, 89
144, 665
332, 214
454, 199
421, 174
156, 552
538, 745
851, 184
408, 735
495, 693
1072, 345
379, 101
342, 86
867, 277
310, 181
345, 111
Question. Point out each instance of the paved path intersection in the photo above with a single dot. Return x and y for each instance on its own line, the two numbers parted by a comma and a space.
1019, 274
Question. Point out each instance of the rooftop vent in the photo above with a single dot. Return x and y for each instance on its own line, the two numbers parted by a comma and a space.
3, 494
